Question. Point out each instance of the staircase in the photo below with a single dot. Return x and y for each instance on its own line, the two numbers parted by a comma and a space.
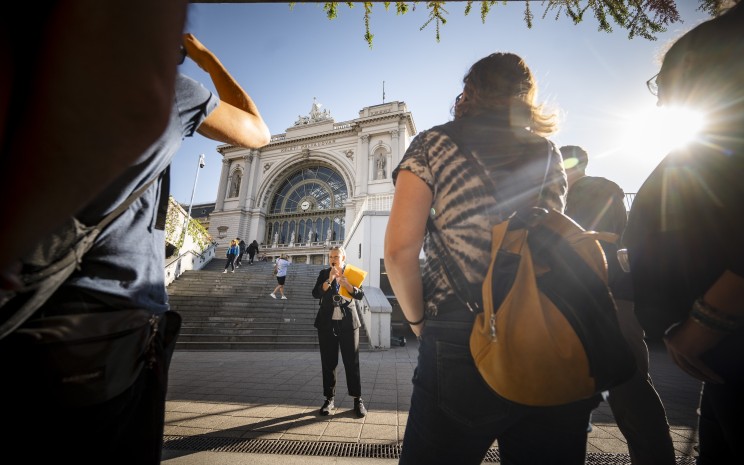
233, 311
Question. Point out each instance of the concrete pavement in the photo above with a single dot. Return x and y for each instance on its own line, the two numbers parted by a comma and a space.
262, 408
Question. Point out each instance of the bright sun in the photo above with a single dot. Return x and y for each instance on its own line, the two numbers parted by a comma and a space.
656, 131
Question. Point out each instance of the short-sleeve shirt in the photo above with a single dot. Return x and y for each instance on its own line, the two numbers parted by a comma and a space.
125, 268
281, 267
463, 208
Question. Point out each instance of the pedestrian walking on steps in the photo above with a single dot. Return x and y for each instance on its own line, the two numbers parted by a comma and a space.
252, 251
232, 252
280, 271
241, 252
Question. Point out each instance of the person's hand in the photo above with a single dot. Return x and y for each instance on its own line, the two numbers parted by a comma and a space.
686, 342
336, 272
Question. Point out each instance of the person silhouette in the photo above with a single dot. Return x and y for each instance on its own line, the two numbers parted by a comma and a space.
598, 204
685, 229
123, 271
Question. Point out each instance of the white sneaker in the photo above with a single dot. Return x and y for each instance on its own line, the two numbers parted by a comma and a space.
284, 297
272, 296
224, 272
233, 271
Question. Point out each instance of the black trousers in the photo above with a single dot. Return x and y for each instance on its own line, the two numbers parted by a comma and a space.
331, 341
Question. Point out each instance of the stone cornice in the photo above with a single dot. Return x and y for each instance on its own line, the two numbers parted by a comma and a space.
353, 127
312, 137
400, 115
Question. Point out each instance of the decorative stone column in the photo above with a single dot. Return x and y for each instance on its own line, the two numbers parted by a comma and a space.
255, 154
395, 149
248, 159
363, 165
220, 204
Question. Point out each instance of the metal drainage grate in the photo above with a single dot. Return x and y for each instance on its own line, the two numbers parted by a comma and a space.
282, 447
343, 449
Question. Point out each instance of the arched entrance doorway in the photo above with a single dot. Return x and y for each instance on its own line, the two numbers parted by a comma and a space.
307, 207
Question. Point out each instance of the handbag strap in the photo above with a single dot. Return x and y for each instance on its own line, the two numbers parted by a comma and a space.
465, 293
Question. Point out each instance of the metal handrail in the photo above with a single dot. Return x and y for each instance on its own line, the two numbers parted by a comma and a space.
197, 254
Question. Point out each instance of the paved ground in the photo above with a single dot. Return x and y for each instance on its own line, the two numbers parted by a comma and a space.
262, 408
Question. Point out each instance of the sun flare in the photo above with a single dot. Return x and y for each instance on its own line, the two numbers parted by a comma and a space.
655, 132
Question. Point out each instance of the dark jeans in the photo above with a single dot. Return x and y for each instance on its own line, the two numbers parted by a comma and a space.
330, 341
635, 404
455, 417
230, 262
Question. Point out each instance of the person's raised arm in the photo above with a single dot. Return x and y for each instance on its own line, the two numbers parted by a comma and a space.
236, 120
403, 240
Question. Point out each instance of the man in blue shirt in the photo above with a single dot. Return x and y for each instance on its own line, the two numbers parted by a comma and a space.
125, 270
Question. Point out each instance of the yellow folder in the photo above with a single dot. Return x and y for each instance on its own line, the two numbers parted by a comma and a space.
355, 276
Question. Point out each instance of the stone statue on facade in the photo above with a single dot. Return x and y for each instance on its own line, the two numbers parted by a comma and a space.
329, 234
235, 184
380, 167
315, 116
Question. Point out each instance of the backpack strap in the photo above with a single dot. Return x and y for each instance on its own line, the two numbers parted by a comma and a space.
126, 203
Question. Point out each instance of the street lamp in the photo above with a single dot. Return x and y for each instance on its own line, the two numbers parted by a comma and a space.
191, 203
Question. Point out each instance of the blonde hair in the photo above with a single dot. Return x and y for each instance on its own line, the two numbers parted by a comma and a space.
340, 249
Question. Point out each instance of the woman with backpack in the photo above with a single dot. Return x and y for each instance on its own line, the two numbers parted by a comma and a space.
455, 417
232, 251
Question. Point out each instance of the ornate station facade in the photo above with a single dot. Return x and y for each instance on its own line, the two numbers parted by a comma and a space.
319, 184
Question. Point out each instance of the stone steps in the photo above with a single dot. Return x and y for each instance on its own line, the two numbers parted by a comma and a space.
233, 311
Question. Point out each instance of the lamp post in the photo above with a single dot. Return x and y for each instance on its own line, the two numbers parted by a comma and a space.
191, 202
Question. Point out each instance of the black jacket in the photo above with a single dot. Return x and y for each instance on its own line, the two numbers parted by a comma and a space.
325, 312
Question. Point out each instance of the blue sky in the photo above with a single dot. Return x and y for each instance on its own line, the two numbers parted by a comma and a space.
286, 56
